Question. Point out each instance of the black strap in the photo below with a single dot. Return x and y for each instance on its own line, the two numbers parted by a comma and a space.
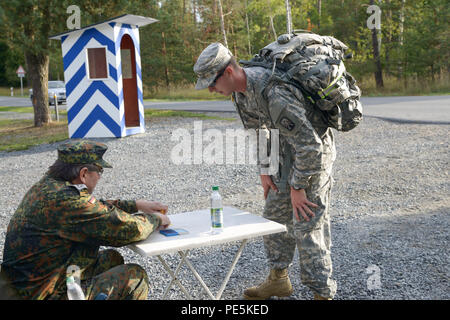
252, 63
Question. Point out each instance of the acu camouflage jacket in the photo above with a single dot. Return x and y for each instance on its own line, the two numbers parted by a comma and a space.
306, 141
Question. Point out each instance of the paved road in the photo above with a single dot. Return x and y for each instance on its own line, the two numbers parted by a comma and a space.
415, 109
15, 101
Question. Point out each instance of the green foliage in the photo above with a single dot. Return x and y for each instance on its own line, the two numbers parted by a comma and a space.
189, 26
10, 59
171, 46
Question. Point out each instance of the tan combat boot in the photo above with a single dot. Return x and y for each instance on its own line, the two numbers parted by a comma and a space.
318, 297
277, 284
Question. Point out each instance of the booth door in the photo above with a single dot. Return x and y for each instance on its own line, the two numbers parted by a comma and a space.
129, 81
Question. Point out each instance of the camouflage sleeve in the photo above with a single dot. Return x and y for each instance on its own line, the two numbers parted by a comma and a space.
86, 219
262, 134
125, 205
287, 110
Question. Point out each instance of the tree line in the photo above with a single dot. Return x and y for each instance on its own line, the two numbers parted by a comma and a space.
413, 41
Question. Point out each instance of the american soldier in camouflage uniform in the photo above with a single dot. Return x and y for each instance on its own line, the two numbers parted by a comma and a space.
60, 224
298, 196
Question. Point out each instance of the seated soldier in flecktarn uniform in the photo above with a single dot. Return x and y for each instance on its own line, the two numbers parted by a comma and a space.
60, 225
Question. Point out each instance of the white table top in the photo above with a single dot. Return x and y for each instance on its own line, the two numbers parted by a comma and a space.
238, 225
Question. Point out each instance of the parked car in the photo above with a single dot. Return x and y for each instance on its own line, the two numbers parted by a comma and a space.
57, 87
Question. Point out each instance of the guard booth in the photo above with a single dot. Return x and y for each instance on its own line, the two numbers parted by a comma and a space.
102, 71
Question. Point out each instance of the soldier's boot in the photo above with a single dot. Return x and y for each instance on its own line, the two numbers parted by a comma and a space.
319, 297
277, 284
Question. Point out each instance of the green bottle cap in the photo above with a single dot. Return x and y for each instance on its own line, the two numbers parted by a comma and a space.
215, 188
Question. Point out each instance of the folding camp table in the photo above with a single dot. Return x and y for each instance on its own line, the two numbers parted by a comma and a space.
238, 226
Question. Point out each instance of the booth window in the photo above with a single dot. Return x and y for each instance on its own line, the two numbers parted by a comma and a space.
97, 63
126, 63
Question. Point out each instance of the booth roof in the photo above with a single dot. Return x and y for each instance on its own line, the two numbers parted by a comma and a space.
125, 18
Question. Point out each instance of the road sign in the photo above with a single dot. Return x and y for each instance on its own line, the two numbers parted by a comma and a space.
21, 73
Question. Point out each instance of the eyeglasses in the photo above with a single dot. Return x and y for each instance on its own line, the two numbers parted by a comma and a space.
213, 84
99, 170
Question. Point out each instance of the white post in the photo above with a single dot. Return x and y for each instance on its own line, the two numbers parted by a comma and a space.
12, 92
288, 17
56, 106
21, 86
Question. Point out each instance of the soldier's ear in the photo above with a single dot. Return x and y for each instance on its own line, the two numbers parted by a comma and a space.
229, 70
82, 174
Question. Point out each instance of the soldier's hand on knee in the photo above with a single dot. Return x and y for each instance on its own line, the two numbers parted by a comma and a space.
301, 204
267, 184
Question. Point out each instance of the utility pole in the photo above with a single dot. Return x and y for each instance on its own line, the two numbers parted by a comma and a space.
248, 29
288, 17
376, 44
319, 11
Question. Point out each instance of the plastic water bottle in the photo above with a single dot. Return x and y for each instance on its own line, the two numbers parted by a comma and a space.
74, 291
216, 211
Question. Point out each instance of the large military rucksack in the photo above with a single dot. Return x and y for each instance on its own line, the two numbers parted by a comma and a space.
314, 64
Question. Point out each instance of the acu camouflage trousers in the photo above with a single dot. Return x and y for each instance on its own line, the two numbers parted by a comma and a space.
312, 239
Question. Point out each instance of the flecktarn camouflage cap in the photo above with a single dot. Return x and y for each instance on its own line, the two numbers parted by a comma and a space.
83, 152
212, 60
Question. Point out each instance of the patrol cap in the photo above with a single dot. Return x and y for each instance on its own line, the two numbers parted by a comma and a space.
212, 60
83, 152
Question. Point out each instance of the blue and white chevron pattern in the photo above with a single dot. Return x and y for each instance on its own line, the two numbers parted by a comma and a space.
96, 107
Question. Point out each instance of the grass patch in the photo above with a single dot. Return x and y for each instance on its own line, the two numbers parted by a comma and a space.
17, 109
181, 93
21, 134
156, 113
13, 124
30, 110
6, 91
396, 87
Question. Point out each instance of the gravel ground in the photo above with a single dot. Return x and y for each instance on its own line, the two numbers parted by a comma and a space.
390, 207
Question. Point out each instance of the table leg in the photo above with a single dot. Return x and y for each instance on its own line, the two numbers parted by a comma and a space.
227, 277
188, 263
174, 276
184, 259
233, 265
